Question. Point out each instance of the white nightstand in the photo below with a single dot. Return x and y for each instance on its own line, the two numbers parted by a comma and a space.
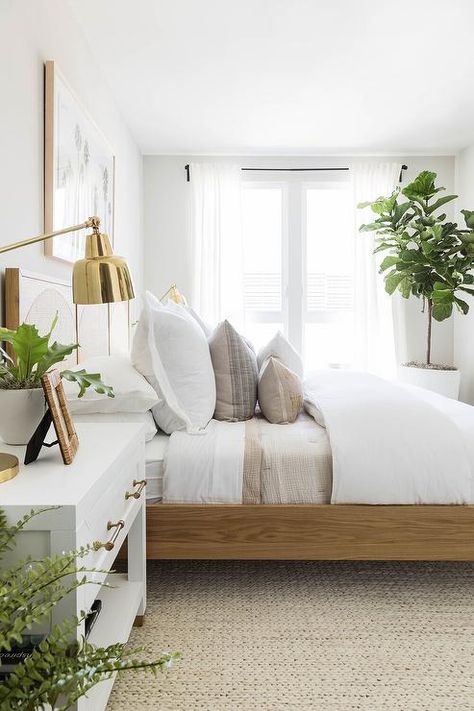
92, 493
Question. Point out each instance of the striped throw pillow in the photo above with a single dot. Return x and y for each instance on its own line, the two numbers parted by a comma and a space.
235, 370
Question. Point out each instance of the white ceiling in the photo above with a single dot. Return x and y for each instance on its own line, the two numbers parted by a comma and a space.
288, 76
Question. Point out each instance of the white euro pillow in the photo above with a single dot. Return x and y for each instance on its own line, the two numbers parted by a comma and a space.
279, 347
207, 330
132, 392
144, 418
172, 353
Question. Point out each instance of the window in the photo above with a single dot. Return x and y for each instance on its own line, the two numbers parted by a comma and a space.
263, 227
298, 267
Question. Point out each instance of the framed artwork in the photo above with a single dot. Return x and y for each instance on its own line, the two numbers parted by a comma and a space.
65, 431
79, 169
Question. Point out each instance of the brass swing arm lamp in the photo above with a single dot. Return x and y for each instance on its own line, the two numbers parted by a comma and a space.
101, 277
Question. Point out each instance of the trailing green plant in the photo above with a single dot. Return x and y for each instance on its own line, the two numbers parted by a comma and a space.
429, 256
60, 669
34, 355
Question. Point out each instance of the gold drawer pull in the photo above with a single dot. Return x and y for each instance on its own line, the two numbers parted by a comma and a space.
136, 494
109, 545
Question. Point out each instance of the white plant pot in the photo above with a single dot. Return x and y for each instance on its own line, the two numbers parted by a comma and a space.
443, 382
20, 414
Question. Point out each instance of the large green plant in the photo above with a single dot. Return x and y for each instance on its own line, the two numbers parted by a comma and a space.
428, 256
59, 671
35, 355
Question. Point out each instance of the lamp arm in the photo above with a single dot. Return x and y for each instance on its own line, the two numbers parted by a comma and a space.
93, 222
173, 286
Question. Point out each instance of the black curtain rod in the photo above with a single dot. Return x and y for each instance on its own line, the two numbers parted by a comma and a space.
272, 170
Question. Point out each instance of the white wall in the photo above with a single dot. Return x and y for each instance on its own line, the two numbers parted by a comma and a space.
464, 325
167, 236
30, 33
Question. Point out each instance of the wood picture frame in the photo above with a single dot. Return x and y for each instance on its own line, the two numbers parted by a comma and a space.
65, 431
79, 168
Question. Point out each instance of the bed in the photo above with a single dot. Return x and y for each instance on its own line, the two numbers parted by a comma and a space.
281, 531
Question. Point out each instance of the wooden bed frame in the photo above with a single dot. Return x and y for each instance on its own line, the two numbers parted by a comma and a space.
271, 532
309, 532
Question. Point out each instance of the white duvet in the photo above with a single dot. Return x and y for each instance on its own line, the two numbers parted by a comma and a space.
391, 444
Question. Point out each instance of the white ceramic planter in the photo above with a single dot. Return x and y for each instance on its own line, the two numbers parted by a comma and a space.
20, 414
444, 382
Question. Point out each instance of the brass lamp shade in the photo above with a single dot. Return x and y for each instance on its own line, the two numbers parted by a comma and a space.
102, 277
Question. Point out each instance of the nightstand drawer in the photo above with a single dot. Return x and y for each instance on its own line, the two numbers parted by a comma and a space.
107, 528
118, 504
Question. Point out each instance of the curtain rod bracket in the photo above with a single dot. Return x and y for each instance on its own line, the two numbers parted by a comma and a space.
400, 177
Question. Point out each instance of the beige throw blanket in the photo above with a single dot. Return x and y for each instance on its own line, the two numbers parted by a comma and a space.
252, 462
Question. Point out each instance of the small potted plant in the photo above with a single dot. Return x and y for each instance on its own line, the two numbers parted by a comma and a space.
21, 395
428, 257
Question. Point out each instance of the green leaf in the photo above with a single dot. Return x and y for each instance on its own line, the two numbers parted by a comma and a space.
439, 203
423, 187
29, 348
387, 262
463, 306
7, 335
404, 287
442, 311
88, 380
56, 354
410, 255
468, 218
384, 245
371, 227
392, 280
400, 211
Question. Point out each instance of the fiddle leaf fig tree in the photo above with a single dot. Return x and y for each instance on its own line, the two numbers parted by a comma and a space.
428, 256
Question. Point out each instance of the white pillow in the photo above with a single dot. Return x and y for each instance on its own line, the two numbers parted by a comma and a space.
145, 417
171, 351
131, 390
280, 348
185, 310
207, 330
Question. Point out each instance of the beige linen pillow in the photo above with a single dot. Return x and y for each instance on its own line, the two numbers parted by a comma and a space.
235, 370
280, 393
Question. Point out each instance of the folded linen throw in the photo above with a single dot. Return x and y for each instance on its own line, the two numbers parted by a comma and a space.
250, 462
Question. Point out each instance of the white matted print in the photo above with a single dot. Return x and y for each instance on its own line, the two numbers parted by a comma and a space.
79, 169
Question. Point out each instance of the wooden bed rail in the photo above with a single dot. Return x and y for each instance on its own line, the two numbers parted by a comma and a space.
310, 532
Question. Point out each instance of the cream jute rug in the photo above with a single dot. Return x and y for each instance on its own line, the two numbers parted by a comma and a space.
292, 635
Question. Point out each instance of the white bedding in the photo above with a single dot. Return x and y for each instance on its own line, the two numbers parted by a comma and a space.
155, 452
391, 444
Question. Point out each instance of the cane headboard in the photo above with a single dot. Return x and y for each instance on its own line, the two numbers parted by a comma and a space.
35, 298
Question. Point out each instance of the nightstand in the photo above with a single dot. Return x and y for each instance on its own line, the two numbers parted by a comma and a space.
101, 498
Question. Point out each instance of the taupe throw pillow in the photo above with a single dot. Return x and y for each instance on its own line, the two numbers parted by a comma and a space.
280, 393
235, 370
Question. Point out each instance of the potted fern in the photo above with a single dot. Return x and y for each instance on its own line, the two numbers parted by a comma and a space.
63, 667
21, 393
428, 257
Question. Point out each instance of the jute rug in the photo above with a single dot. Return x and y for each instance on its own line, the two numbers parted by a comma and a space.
342, 636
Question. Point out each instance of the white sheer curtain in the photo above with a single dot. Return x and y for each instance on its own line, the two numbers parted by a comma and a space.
216, 233
373, 307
